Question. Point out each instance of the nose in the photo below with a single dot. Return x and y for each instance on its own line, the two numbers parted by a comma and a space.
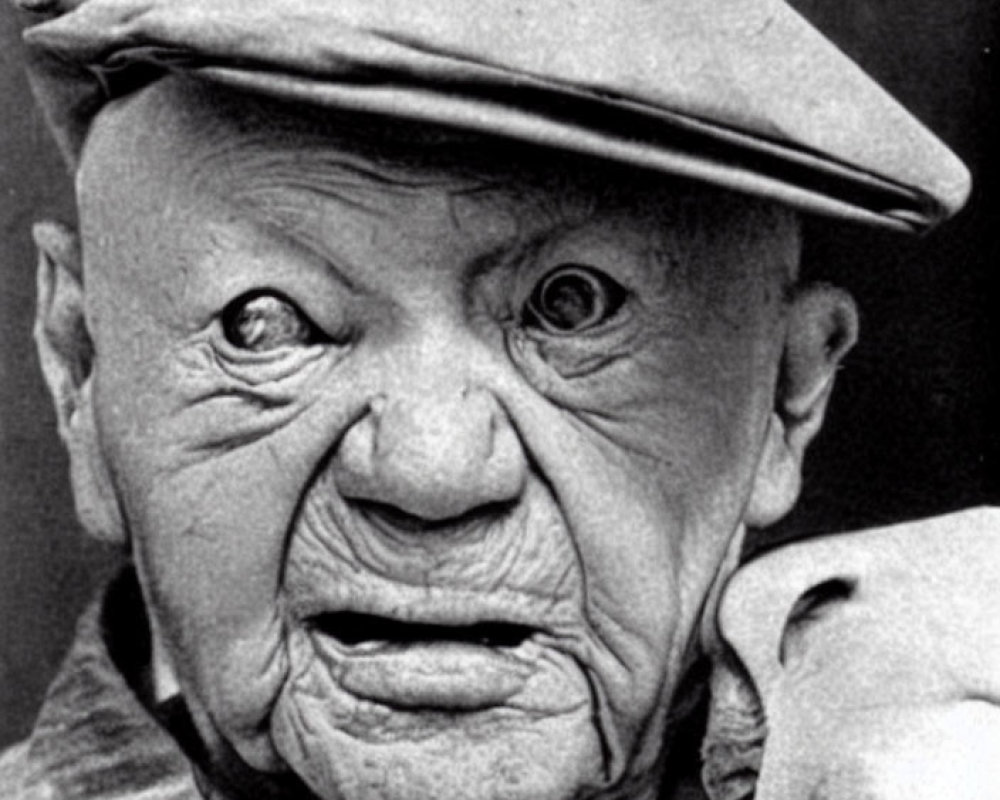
433, 455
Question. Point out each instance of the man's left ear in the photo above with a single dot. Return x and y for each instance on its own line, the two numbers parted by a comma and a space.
822, 327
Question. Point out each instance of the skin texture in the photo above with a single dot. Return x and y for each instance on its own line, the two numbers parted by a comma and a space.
412, 443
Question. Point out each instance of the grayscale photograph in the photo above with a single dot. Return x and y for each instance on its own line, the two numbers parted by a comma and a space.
500, 400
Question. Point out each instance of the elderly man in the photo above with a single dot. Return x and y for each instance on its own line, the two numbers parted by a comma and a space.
430, 360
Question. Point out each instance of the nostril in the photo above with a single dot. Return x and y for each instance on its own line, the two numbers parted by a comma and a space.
393, 519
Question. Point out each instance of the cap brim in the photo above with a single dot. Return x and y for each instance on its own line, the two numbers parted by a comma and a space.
624, 133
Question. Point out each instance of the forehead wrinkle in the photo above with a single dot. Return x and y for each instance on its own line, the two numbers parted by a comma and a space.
266, 171
278, 209
328, 172
279, 182
287, 192
215, 145
278, 189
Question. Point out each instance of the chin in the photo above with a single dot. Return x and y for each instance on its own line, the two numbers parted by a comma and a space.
359, 739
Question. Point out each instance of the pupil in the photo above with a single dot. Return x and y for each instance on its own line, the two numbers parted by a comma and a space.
568, 301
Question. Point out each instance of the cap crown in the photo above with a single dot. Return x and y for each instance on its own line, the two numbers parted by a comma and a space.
740, 93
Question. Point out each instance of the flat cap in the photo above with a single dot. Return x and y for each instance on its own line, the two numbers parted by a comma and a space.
743, 94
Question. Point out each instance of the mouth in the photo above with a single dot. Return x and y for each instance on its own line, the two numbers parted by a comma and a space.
419, 666
368, 631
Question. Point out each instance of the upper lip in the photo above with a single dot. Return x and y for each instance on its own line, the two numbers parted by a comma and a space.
428, 605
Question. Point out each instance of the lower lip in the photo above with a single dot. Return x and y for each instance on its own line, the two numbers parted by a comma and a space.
433, 676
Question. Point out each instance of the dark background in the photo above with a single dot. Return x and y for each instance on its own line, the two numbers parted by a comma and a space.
914, 428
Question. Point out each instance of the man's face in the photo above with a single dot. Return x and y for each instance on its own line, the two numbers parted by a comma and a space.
427, 465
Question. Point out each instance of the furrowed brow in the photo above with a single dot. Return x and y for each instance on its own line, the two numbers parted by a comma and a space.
285, 222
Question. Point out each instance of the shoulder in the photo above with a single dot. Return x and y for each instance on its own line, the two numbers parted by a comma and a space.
94, 738
845, 661
904, 585
20, 780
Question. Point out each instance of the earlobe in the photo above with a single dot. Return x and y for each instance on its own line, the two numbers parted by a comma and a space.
822, 328
778, 479
66, 354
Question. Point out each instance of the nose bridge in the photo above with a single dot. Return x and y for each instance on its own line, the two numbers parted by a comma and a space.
439, 358
433, 400
451, 429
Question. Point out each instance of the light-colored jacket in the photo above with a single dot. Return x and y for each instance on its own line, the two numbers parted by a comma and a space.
94, 740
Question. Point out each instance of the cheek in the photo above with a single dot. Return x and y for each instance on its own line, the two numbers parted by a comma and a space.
209, 481
688, 402
704, 415
652, 460
714, 373
694, 426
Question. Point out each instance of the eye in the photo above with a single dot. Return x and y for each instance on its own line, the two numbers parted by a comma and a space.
574, 298
263, 321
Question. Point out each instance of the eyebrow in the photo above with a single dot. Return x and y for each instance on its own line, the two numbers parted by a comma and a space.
283, 221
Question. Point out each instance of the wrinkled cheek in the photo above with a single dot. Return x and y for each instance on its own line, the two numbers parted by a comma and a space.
346, 748
626, 536
634, 615
629, 521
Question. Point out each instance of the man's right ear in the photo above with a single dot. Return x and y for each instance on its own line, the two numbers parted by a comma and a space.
66, 353
822, 327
